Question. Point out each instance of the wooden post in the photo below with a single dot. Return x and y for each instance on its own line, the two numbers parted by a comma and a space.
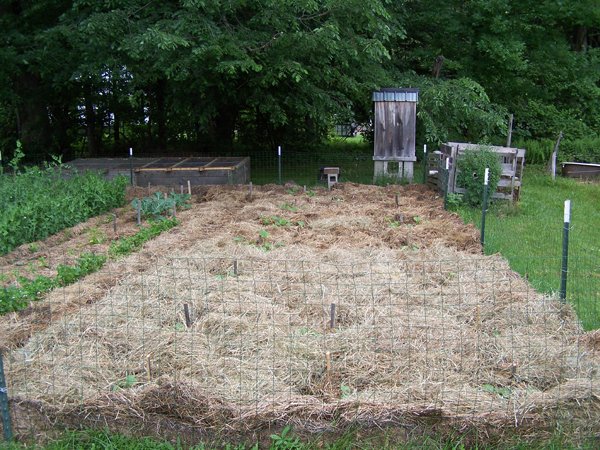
115, 223
552, 164
510, 129
186, 312
189, 187
332, 316
328, 362
139, 212
250, 190
148, 367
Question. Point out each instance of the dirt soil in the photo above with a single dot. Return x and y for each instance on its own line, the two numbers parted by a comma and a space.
360, 305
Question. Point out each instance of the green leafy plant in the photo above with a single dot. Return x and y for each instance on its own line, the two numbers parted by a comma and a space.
281, 221
96, 236
454, 201
126, 383
392, 223
38, 203
87, 263
288, 207
18, 156
17, 297
275, 220
346, 391
499, 390
472, 165
157, 205
127, 245
285, 440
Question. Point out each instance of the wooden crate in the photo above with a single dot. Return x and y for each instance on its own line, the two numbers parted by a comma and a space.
512, 161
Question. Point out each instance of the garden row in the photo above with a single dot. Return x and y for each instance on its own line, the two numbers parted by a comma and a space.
37, 203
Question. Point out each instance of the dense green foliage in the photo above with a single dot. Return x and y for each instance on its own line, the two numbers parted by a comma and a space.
472, 165
93, 78
37, 202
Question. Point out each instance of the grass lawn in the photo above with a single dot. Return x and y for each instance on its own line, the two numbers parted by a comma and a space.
529, 234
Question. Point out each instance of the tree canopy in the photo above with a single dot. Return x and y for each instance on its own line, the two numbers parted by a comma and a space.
95, 77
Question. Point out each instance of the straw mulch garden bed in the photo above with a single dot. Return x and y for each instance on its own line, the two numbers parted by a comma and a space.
360, 306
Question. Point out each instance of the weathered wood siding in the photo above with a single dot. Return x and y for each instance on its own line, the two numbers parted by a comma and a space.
171, 171
395, 125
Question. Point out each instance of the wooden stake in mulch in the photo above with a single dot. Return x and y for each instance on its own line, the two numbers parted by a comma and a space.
189, 187
149, 367
235, 267
397, 200
115, 223
332, 316
327, 363
139, 212
186, 312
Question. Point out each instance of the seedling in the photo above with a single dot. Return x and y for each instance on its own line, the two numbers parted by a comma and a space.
501, 391
125, 383
96, 236
288, 207
392, 223
281, 221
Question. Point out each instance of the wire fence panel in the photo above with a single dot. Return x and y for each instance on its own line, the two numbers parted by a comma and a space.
236, 344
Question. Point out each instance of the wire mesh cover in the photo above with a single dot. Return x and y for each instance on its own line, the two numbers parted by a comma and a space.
462, 339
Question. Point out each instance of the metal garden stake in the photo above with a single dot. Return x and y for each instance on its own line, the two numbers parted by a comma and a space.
6, 425
486, 189
446, 181
131, 165
565, 252
425, 168
279, 162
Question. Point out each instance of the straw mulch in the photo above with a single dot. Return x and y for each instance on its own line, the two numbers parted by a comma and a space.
369, 306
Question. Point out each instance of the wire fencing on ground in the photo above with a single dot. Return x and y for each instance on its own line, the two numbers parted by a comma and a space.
216, 343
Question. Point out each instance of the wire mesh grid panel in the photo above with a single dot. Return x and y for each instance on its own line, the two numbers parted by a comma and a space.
226, 342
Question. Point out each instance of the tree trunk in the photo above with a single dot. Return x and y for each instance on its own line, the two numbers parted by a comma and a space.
91, 123
32, 117
160, 114
580, 39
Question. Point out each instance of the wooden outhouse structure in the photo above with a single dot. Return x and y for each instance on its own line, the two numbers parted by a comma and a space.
395, 122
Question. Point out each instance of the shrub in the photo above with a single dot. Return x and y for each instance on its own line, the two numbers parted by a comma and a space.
472, 165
